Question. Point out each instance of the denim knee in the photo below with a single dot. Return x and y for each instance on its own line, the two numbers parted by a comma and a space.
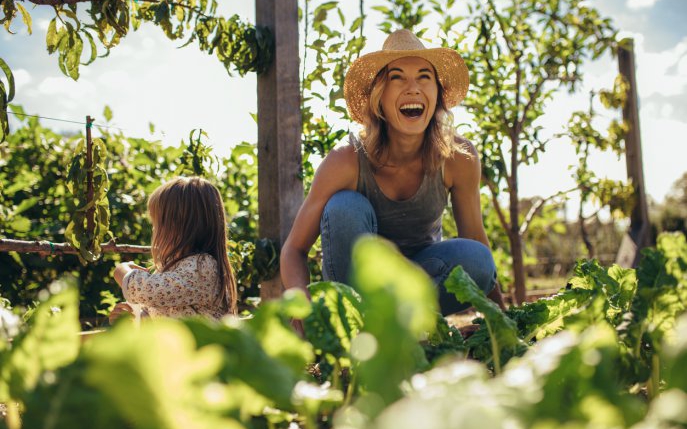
481, 267
346, 216
349, 208
439, 259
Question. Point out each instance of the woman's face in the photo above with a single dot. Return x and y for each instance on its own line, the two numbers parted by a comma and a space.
410, 96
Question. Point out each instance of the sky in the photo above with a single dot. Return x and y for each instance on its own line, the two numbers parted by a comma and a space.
148, 79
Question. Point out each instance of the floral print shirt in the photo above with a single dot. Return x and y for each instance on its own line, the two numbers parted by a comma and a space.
190, 288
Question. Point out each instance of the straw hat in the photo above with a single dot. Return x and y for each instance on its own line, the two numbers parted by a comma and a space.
451, 71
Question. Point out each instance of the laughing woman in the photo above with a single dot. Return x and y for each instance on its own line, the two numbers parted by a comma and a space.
395, 179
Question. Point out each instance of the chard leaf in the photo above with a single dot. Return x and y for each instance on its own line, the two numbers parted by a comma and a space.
49, 342
503, 333
399, 304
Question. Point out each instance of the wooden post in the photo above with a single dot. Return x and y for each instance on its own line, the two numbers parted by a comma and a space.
280, 188
639, 235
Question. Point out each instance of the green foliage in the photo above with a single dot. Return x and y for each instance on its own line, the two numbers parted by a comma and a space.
503, 335
661, 298
251, 373
330, 44
48, 341
405, 13
6, 95
579, 382
399, 304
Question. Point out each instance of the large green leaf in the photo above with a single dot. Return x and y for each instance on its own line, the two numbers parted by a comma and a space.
270, 326
271, 380
336, 317
502, 331
50, 341
399, 304
157, 378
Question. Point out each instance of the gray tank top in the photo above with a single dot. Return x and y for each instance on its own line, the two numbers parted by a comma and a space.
411, 224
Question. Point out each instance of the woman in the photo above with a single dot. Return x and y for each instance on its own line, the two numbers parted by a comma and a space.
395, 179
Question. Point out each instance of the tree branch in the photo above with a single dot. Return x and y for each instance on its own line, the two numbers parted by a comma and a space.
530, 103
496, 81
58, 2
48, 248
537, 207
497, 206
499, 18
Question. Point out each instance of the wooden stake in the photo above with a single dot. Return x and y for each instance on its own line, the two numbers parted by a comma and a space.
280, 189
639, 235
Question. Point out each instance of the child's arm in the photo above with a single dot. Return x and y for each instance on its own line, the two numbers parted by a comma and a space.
121, 270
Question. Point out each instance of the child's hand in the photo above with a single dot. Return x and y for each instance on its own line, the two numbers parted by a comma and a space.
123, 269
119, 310
133, 266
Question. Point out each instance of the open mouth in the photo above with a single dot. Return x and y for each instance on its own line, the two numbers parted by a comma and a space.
412, 110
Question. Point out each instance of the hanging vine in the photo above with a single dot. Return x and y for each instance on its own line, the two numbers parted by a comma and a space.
90, 221
241, 47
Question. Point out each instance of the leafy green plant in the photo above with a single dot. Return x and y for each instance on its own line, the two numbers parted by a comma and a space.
503, 336
251, 372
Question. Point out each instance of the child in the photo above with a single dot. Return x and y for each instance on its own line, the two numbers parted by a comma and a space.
189, 247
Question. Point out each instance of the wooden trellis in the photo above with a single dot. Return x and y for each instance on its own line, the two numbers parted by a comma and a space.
280, 188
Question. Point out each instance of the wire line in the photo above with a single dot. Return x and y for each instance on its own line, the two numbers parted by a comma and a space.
65, 120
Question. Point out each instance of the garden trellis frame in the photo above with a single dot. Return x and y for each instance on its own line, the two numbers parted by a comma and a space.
280, 187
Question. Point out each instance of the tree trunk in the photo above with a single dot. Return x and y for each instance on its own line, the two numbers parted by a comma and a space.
518, 267
514, 235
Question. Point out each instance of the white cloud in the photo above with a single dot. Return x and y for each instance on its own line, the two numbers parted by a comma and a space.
113, 79
663, 73
43, 24
64, 86
662, 141
21, 78
640, 4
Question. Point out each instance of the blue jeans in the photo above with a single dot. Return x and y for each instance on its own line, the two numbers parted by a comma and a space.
348, 215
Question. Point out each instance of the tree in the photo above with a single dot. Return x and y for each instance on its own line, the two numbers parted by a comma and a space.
522, 54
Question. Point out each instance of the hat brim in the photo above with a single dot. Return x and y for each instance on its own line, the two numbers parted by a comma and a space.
451, 71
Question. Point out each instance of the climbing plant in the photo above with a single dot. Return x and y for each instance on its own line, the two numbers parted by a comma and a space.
79, 36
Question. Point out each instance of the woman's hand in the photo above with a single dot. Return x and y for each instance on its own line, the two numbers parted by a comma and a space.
297, 326
119, 310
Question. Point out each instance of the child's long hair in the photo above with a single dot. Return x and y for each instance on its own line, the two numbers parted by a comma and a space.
188, 218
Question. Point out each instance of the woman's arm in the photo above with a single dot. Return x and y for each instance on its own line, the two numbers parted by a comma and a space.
338, 171
462, 175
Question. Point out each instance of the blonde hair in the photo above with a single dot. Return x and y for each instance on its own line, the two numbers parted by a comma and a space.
188, 219
440, 140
